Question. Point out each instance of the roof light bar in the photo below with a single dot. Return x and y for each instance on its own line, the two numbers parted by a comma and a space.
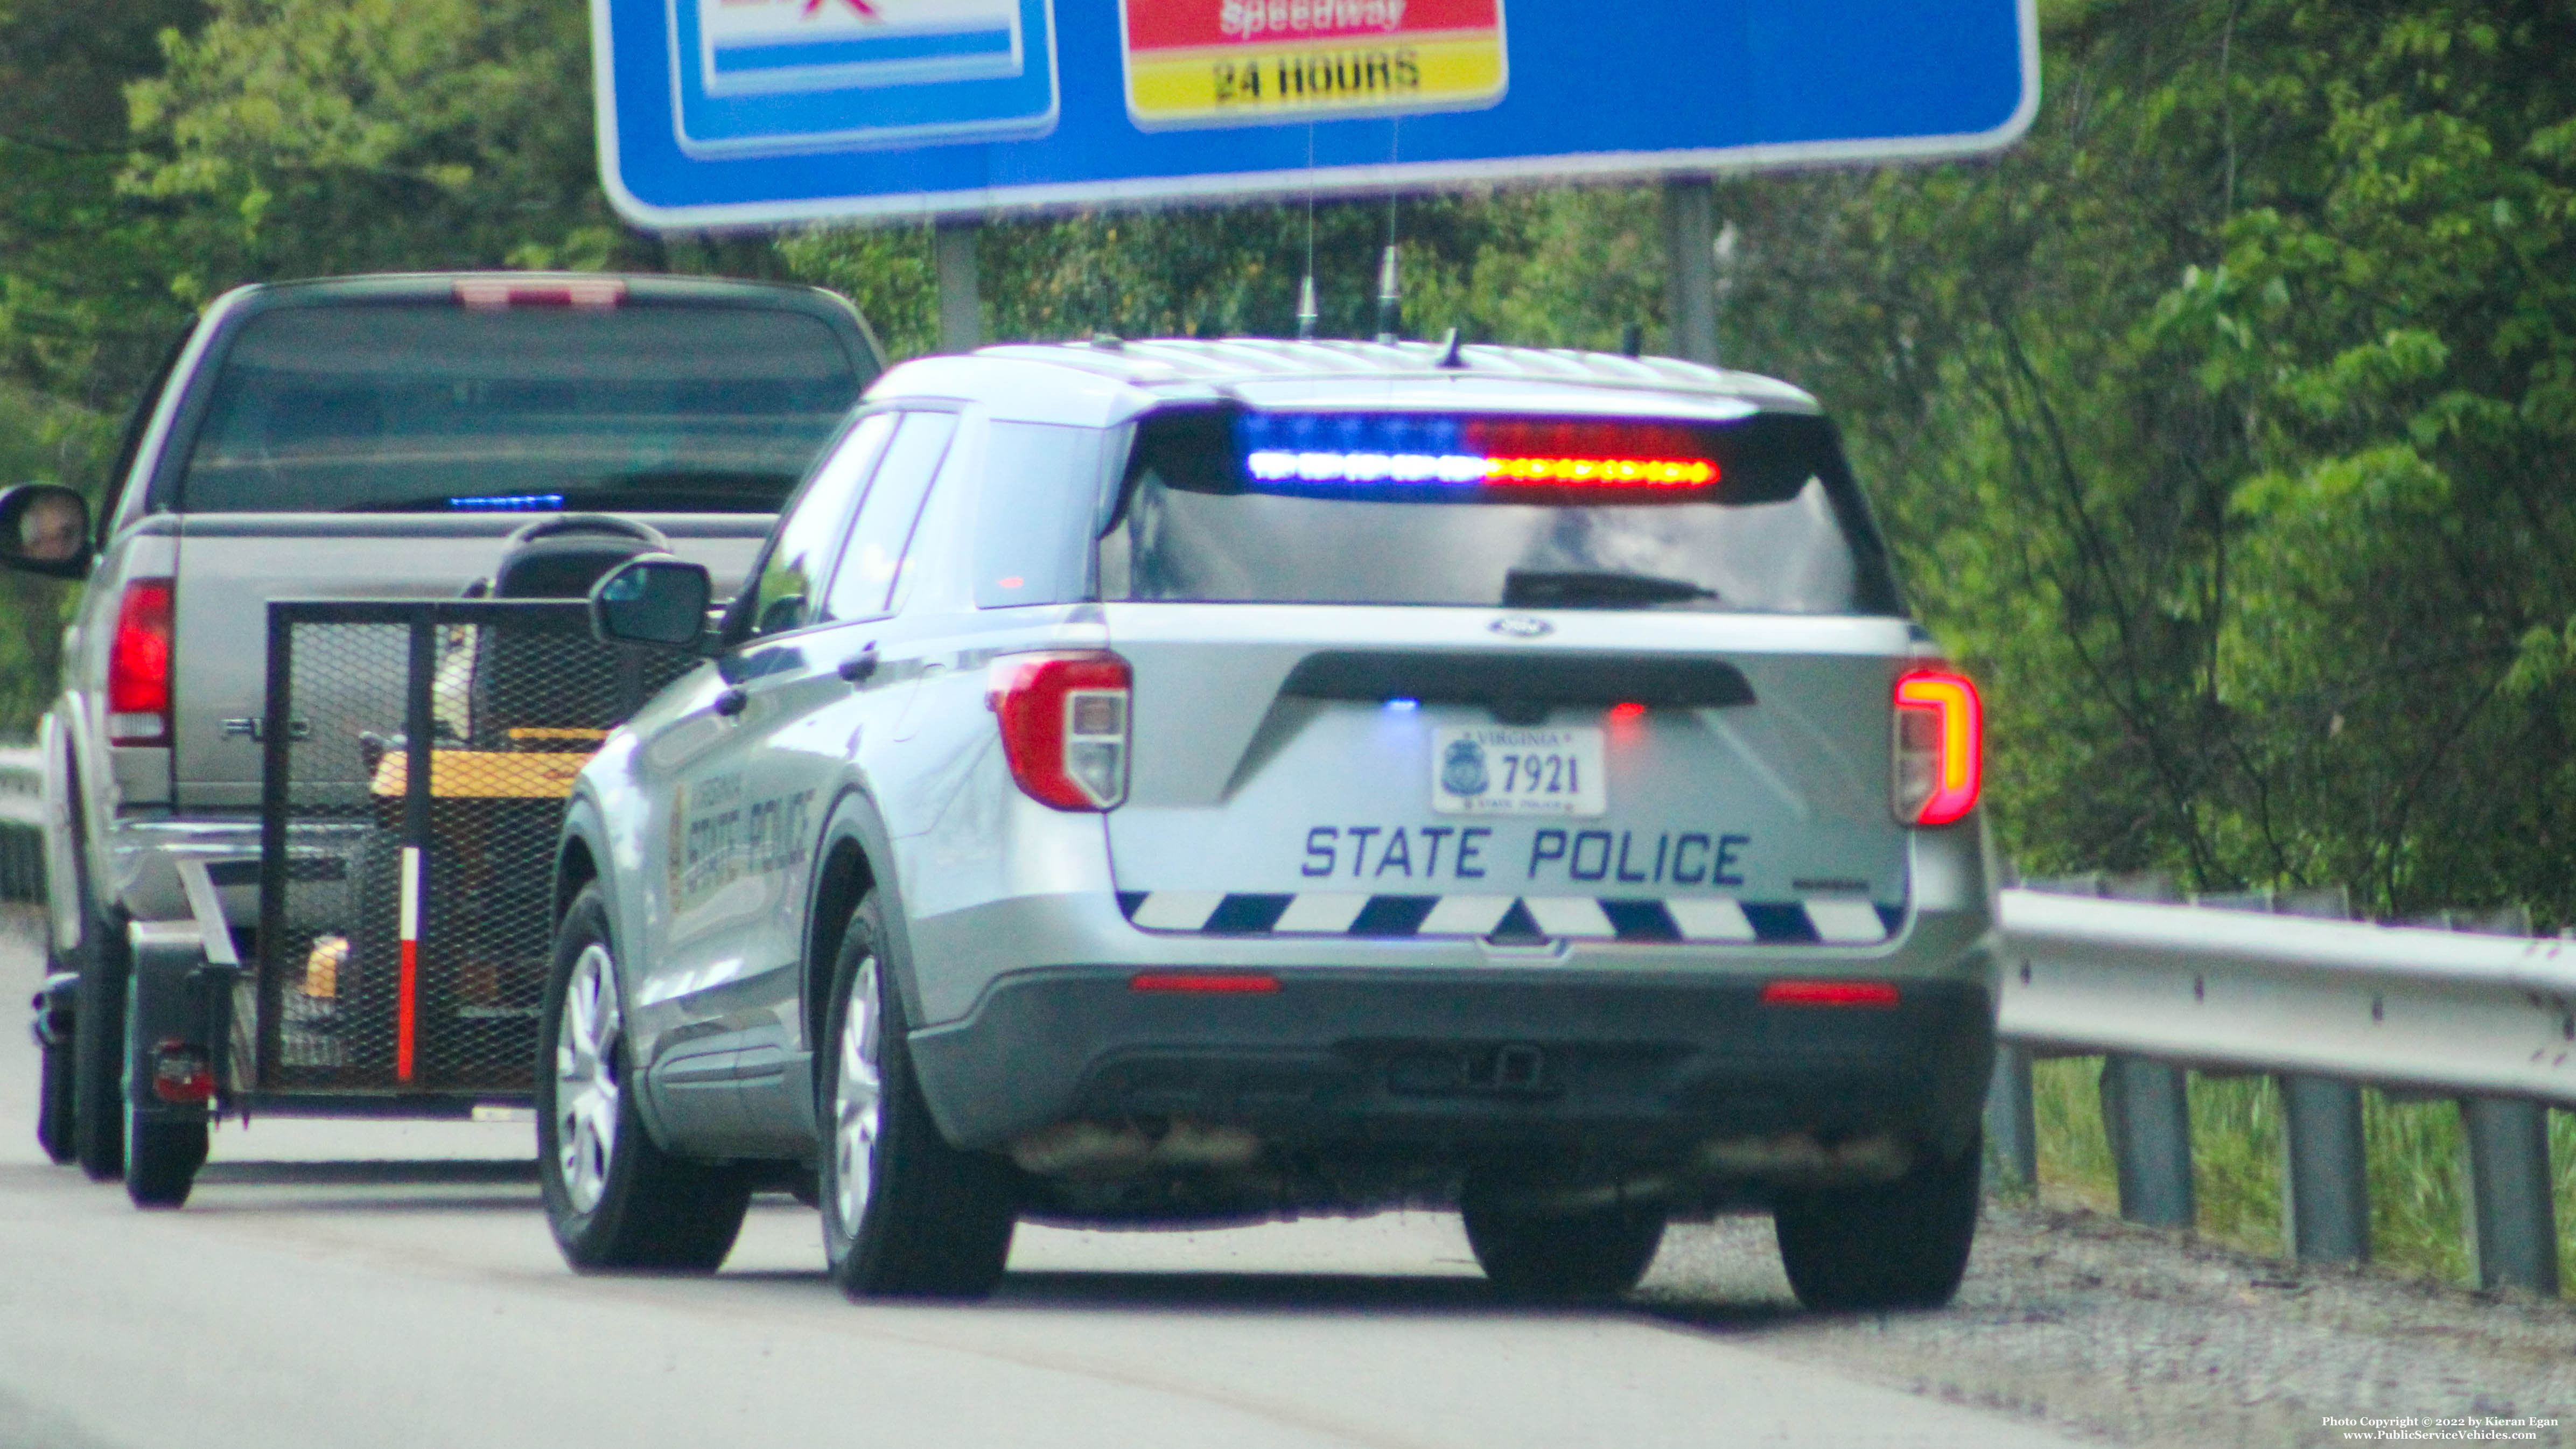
1289, 451
1272, 465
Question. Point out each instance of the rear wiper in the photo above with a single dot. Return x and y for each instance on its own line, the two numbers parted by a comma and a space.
1579, 589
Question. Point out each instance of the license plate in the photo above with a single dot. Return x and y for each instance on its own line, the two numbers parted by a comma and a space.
1502, 770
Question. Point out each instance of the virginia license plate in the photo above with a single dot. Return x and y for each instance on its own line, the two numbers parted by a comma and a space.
1504, 770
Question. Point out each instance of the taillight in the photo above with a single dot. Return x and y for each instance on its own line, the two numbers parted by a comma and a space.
500, 294
1064, 726
1829, 993
1206, 983
182, 1073
1940, 747
138, 666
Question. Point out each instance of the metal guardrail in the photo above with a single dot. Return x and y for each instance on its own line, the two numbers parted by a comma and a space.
22, 824
2326, 1006
2390, 1006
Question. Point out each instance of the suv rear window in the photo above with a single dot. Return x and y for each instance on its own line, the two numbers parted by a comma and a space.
1758, 515
645, 407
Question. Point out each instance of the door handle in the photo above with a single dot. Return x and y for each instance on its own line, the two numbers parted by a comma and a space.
860, 667
730, 703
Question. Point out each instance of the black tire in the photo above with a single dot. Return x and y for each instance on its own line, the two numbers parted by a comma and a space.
931, 1221
1595, 1254
98, 1054
1901, 1244
161, 1161
623, 1205
57, 1104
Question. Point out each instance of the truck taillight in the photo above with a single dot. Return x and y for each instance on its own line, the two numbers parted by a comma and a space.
500, 294
1064, 725
1940, 747
138, 666
182, 1073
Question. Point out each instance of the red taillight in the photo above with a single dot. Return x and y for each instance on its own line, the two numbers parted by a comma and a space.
1829, 993
1940, 747
1622, 713
181, 1073
138, 666
500, 294
1064, 726
1216, 983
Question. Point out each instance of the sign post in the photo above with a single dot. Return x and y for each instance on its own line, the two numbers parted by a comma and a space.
1690, 260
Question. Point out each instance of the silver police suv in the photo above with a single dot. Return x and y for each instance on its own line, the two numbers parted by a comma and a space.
1207, 781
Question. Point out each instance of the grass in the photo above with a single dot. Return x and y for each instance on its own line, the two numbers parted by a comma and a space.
2418, 1167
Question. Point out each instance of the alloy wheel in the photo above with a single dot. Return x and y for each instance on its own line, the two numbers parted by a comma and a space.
586, 1085
858, 1099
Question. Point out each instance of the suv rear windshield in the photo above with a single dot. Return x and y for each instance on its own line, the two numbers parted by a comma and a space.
1758, 515
645, 407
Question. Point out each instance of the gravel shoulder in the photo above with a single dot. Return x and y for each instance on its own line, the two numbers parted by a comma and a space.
2138, 1336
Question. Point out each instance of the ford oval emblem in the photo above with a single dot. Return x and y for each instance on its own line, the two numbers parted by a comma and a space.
1521, 626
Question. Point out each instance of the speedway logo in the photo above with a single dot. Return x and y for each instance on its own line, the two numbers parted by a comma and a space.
1307, 19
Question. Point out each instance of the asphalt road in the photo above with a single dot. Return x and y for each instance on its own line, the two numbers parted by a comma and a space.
338, 1285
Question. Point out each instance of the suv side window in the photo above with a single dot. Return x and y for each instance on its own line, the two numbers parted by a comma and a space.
872, 564
798, 565
1042, 488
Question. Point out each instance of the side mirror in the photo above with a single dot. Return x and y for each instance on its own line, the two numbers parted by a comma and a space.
657, 601
44, 529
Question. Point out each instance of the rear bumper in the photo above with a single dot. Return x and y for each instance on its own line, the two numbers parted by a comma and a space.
1603, 1062
144, 855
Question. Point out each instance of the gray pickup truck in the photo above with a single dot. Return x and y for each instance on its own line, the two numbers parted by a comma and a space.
376, 437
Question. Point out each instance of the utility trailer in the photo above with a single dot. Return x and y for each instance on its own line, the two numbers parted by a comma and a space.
405, 918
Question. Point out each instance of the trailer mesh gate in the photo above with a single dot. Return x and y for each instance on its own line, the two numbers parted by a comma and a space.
405, 930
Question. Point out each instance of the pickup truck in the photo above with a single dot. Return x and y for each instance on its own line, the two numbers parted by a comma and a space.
379, 437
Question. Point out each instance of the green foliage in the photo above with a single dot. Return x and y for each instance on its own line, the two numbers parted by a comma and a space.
886, 270
2223, 427
1565, 268
312, 136
42, 440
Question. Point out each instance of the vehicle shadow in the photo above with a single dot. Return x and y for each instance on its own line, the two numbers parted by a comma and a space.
1154, 1292
1270, 1294
363, 1173
280, 1187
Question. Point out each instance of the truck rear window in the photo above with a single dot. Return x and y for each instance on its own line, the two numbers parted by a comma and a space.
1236, 506
646, 407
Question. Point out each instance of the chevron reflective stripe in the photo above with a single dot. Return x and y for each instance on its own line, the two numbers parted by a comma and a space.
1323, 913
1580, 917
1710, 920
1176, 910
1834, 922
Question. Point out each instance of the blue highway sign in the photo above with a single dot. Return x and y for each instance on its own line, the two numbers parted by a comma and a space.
746, 113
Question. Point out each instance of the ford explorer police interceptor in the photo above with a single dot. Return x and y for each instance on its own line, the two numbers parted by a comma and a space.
1203, 781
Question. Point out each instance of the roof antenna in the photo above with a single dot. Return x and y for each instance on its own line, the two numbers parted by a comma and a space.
1390, 298
1307, 315
1632, 341
1449, 354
